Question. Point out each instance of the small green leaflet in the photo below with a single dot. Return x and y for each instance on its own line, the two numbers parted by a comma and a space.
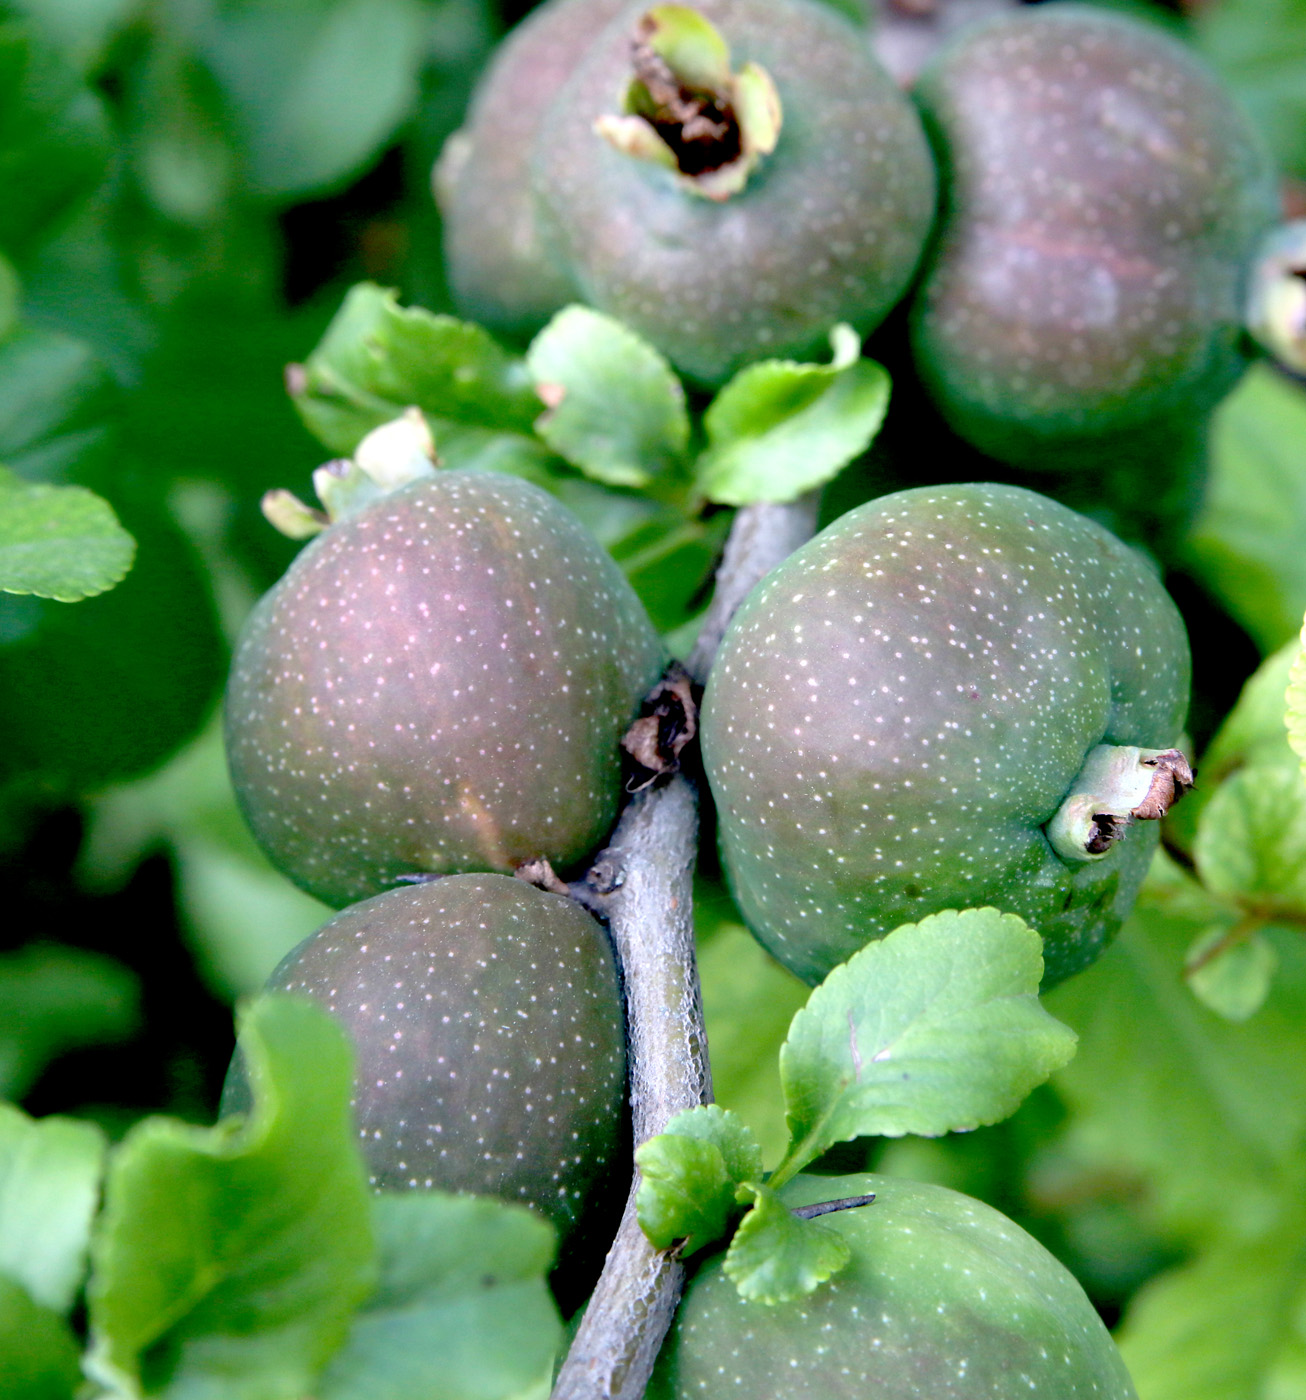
462, 1308
936, 1028
60, 542
775, 1256
779, 428
1296, 711
1231, 970
229, 1260
49, 1190
378, 358
691, 1175
1251, 840
615, 408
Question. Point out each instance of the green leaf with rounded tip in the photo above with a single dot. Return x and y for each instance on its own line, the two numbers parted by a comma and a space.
1246, 545
685, 1192
314, 91
1251, 840
229, 1260
49, 1191
60, 542
775, 1256
54, 998
1232, 976
730, 1134
462, 1308
936, 1028
1295, 717
780, 428
1252, 734
691, 1174
38, 1352
616, 409
377, 358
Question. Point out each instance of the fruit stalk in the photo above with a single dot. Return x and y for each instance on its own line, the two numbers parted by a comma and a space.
648, 869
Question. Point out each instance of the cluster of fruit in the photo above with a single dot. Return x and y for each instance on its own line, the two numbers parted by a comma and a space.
956, 695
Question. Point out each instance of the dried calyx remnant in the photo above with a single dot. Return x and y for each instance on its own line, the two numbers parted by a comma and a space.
685, 110
1118, 784
1276, 309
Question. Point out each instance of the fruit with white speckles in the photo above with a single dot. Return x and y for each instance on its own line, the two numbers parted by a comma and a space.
500, 271
827, 227
944, 1299
1103, 198
486, 1019
899, 710
439, 683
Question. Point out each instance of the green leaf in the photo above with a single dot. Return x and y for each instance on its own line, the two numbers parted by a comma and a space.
1231, 976
38, 1352
60, 542
1204, 1114
1259, 46
779, 429
54, 141
54, 999
1246, 544
936, 1028
775, 1256
1252, 735
378, 358
691, 1173
1295, 703
316, 90
57, 399
1227, 1325
462, 1309
49, 1190
615, 408
229, 1260
669, 561
1251, 841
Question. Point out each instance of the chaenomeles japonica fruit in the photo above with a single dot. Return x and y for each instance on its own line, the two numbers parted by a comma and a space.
487, 1023
733, 179
1103, 198
944, 1299
439, 683
952, 697
500, 271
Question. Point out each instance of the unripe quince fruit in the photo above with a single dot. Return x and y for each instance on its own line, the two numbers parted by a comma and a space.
944, 1299
1103, 201
439, 683
921, 710
807, 203
487, 1023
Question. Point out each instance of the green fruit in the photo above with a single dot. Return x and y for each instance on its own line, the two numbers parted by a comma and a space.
944, 1299
487, 1023
439, 683
827, 227
900, 709
1103, 198
500, 272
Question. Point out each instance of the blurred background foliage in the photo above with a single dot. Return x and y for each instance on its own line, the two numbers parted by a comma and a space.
190, 186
